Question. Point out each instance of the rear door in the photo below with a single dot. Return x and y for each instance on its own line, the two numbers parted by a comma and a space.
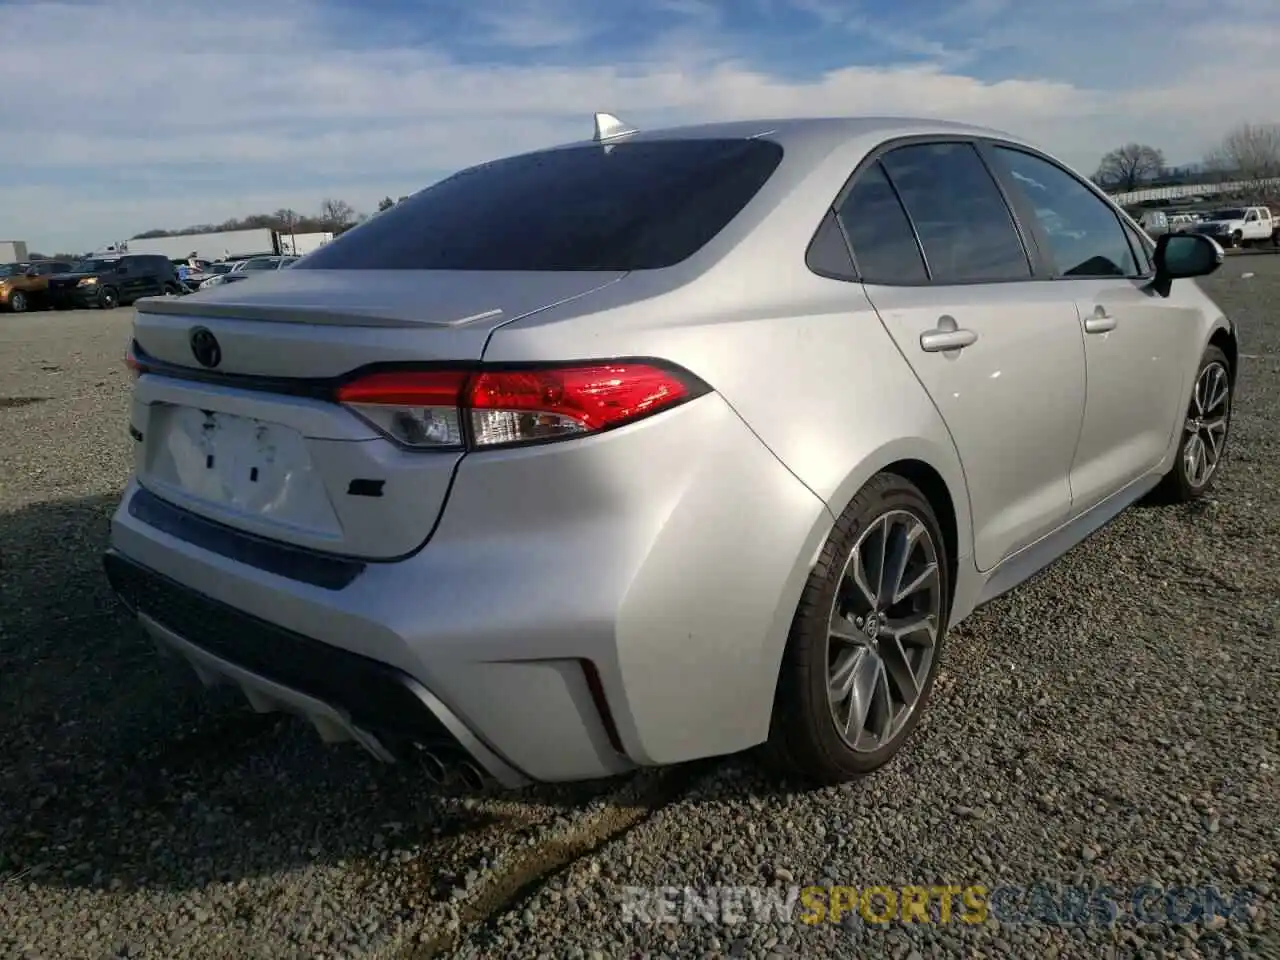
1139, 346
998, 350
130, 279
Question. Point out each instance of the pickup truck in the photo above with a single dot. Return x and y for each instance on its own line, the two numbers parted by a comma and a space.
1239, 226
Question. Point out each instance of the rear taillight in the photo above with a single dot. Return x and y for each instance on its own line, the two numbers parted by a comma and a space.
131, 361
486, 408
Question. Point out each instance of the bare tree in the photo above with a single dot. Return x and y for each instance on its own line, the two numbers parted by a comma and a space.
386, 203
1249, 152
286, 219
1127, 167
337, 214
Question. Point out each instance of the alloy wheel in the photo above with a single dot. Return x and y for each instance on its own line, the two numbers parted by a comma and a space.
883, 630
1206, 425
18, 301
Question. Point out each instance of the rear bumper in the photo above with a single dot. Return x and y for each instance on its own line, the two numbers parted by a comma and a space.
344, 695
581, 609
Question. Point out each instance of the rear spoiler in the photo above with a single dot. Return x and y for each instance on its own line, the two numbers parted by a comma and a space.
295, 313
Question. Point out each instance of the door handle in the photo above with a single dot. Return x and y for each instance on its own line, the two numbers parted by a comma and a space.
1100, 322
948, 335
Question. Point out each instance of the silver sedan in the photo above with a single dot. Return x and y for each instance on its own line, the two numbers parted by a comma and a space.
661, 445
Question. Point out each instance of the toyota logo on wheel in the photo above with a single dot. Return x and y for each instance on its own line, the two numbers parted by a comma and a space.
205, 347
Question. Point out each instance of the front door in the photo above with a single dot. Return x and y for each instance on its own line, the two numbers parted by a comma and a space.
1135, 343
1000, 354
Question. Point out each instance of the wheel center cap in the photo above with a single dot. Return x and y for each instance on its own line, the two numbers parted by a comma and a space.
872, 626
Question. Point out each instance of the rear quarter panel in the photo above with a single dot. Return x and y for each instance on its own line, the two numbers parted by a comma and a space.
808, 367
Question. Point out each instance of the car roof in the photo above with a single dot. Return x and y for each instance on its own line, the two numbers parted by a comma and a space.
814, 131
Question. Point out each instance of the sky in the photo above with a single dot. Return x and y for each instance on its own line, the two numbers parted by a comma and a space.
126, 115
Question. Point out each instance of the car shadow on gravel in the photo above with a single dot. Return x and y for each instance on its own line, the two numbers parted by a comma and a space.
120, 771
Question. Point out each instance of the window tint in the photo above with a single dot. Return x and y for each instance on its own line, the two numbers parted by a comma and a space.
1084, 234
828, 253
625, 206
883, 245
965, 227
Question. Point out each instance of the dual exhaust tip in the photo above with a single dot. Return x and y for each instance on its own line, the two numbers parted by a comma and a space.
441, 771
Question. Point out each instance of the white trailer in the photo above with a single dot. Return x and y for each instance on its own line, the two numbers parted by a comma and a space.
300, 244
13, 251
224, 245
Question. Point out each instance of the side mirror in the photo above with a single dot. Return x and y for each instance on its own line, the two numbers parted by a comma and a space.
33, 272
1182, 255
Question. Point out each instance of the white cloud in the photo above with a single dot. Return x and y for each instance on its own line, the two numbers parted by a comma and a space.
196, 119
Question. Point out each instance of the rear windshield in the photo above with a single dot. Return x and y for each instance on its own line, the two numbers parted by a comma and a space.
626, 206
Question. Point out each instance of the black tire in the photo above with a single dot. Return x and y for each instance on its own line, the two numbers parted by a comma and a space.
108, 299
171, 290
1237, 238
803, 739
18, 302
1178, 485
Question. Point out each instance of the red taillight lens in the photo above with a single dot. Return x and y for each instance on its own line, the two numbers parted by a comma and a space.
428, 409
516, 406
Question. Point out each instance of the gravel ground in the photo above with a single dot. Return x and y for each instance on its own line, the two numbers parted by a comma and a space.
1114, 722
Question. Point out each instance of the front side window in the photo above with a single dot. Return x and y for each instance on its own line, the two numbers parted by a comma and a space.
1083, 232
965, 227
644, 204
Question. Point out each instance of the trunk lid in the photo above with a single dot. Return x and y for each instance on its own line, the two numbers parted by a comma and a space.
323, 323
297, 468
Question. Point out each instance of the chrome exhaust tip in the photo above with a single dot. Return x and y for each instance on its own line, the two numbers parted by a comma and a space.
472, 776
433, 767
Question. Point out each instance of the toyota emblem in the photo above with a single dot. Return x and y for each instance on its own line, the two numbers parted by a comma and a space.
205, 347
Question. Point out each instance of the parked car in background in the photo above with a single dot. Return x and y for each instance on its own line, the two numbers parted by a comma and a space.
107, 282
661, 446
248, 268
192, 271
26, 285
1238, 226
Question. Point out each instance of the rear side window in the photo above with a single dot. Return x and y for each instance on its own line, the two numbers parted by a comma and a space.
626, 206
884, 245
965, 227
